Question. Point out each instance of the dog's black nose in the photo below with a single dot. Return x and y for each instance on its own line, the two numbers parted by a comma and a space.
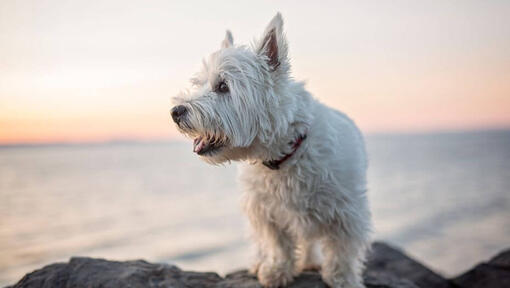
177, 112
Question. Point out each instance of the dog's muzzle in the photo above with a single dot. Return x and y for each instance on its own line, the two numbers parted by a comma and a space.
178, 113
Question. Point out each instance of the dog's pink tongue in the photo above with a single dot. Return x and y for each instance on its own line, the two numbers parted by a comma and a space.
198, 144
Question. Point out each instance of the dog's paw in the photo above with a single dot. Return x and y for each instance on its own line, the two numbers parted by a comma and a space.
273, 275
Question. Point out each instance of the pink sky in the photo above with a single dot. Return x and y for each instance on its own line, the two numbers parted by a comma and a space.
95, 71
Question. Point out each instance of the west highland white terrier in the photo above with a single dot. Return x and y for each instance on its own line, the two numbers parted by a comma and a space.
304, 164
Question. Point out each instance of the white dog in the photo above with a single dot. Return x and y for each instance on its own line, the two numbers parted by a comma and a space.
304, 164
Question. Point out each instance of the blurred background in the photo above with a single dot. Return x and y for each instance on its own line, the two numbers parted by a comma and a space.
91, 166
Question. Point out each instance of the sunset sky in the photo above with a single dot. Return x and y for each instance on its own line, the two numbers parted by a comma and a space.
103, 70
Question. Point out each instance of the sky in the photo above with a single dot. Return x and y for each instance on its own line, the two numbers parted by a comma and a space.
77, 71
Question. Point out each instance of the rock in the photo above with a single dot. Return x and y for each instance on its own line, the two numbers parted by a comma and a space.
309, 279
387, 267
89, 272
243, 279
389, 260
495, 273
386, 280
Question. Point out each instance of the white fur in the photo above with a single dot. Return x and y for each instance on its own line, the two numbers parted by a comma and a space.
318, 196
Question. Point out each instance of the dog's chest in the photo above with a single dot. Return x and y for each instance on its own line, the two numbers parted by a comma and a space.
286, 197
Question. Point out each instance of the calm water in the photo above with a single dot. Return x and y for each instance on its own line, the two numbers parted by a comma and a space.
445, 198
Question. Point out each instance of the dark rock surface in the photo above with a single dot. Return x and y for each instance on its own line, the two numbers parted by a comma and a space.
387, 267
387, 259
495, 273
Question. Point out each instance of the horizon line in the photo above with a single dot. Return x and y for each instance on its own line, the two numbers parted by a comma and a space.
161, 140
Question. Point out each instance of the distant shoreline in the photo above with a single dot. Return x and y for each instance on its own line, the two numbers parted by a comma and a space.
133, 141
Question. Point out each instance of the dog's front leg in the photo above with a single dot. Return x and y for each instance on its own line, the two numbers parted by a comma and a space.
276, 254
343, 261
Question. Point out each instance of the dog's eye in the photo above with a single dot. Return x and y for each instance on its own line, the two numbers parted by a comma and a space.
222, 87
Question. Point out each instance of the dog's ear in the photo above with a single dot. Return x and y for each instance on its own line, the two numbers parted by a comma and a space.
273, 44
228, 41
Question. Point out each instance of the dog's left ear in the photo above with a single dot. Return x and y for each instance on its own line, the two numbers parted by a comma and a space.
228, 41
273, 44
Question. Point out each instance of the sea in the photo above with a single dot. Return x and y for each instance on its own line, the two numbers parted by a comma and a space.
442, 197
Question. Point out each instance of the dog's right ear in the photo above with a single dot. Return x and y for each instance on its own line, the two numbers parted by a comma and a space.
273, 44
228, 41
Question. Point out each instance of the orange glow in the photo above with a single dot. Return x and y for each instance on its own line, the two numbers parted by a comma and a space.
70, 74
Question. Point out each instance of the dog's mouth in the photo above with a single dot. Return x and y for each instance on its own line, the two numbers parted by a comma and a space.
206, 145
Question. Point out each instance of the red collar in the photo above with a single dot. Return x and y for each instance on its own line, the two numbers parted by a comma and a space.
275, 164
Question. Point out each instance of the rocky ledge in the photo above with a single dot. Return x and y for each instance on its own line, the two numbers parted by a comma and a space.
387, 267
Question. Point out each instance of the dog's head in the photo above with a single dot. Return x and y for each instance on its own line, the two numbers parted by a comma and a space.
234, 100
